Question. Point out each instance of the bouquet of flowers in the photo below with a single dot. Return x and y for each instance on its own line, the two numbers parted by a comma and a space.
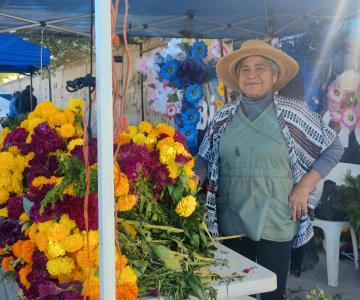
49, 222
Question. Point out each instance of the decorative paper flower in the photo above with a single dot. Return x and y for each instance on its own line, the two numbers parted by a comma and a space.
186, 206
171, 110
335, 94
193, 94
190, 116
350, 119
169, 69
199, 50
190, 133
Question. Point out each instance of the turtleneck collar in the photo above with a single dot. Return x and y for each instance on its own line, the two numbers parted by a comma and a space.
267, 98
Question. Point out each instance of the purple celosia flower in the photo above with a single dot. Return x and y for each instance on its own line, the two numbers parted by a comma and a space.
72, 290
48, 288
51, 211
78, 152
10, 232
17, 138
39, 271
15, 207
36, 170
48, 138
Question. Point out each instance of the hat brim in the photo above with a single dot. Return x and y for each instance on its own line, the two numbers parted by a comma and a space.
226, 66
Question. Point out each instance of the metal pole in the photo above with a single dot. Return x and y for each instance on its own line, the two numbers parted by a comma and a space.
104, 113
49, 74
31, 89
142, 88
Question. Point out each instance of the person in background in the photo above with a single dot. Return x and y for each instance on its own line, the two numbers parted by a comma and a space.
26, 102
263, 155
12, 106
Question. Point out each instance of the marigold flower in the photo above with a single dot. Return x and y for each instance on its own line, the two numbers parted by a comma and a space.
67, 222
186, 206
41, 241
192, 185
127, 274
121, 182
163, 128
132, 130
129, 228
84, 261
24, 217
173, 170
145, 127
91, 288
4, 195
57, 232
14, 150
125, 203
79, 130
57, 119
55, 249
5, 263
123, 138
34, 123
60, 265
73, 143
93, 238
188, 168
73, 243
70, 116
127, 291
167, 154
76, 105
4, 213
46, 108
120, 261
23, 273
139, 139
67, 130
3, 135
23, 249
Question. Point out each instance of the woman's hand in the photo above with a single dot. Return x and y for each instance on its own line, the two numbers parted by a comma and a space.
299, 195
298, 200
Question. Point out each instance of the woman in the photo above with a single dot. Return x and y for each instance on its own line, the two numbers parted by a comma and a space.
263, 156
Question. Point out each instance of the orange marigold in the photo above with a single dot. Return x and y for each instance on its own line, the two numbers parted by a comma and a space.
125, 203
127, 291
5, 263
23, 273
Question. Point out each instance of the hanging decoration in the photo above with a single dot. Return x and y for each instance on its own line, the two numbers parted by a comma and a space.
182, 78
344, 103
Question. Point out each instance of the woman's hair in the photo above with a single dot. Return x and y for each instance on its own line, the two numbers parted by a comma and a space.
274, 68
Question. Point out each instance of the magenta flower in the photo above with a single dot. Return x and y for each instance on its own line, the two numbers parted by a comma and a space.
15, 207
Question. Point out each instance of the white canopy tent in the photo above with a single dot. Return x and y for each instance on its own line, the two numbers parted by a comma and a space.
203, 18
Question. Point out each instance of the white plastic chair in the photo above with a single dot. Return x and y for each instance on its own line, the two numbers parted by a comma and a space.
332, 229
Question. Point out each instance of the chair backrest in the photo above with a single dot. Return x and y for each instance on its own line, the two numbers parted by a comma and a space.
337, 174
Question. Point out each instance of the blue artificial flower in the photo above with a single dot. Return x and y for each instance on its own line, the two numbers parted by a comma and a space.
193, 94
190, 116
199, 50
169, 69
189, 132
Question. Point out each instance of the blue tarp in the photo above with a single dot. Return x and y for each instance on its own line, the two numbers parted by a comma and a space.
20, 56
237, 19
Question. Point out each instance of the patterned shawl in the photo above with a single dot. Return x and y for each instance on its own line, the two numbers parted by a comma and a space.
306, 136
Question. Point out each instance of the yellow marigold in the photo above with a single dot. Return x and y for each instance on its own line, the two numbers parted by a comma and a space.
45, 226
127, 291
73, 143
167, 154
21, 161
73, 243
76, 105
192, 185
46, 109
132, 130
68, 223
145, 127
70, 116
5, 180
188, 168
5, 263
150, 142
67, 130
24, 217
93, 238
79, 130
123, 138
91, 288
3, 135
55, 249
129, 228
14, 150
180, 149
60, 265
25, 124
139, 138
125, 203
41, 241
41, 180
126, 275
23, 273
57, 232
173, 169
28, 158
86, 262
121, 182
4, 212
163, 128
58, 119
168, 141
4, 195
186, 206
6, 161
120, 261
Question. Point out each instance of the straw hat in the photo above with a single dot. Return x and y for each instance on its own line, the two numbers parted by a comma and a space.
226, 66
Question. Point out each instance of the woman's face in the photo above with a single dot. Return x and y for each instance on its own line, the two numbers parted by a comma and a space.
255, 77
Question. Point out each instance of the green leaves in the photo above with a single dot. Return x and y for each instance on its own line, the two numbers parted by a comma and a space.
167, 256
194, 283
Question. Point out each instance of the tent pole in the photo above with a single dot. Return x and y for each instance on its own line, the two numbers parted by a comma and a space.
142, 88
49, 74
104, 113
